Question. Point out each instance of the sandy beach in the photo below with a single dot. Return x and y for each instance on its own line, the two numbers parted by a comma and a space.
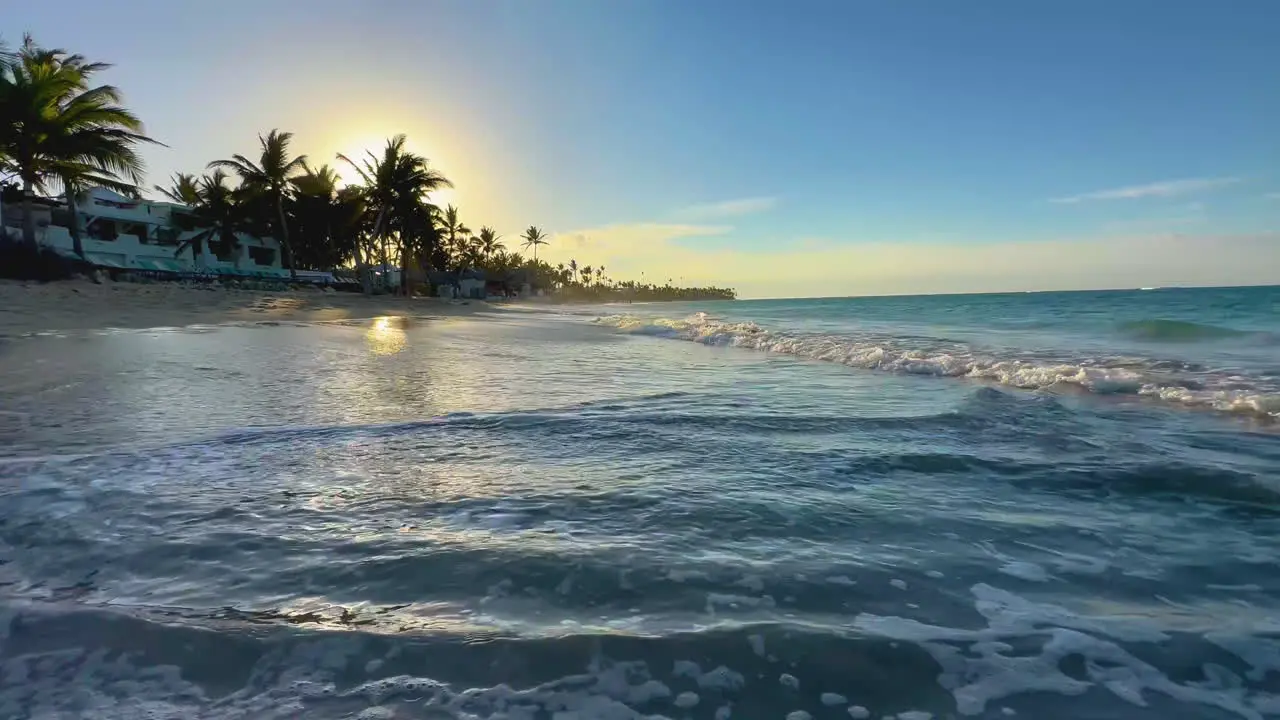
32, 307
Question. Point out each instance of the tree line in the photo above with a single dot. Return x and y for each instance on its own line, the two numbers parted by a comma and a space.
59, 131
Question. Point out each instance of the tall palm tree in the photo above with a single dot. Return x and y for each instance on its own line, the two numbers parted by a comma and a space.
573, 268
455, 232
533, 237
55, 129
318, 217
586, 275
488, 240
395, 187
270, 178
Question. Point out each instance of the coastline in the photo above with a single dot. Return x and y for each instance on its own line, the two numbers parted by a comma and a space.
71, 305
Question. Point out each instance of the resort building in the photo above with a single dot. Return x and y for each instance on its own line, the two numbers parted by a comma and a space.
122, 233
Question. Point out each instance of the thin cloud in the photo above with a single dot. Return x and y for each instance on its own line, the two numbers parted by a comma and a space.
729, 208
1273, 195
1167, 188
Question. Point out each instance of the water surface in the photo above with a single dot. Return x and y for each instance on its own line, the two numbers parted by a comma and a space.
1048, 506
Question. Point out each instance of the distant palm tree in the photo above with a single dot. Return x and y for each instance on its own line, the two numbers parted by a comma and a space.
600, 274
533, 237
319, 182
319, 218
395, 187
56, 129
573, 267
455, 233
271, 178
218, 213
184, 190
488, 241
586, 275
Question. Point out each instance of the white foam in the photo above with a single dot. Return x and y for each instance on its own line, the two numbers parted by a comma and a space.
900, 584
1024, 570
724, 712
1218, 391
723, 679
299, 680
799, 715
841, 580
686, 700
736, 602
831, 699
988, 668
757, 644
915, 715
789, 681
857, 712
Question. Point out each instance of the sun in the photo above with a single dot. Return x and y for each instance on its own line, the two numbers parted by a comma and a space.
358, 148
443, 197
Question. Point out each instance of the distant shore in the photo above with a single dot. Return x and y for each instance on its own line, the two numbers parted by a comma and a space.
33, 307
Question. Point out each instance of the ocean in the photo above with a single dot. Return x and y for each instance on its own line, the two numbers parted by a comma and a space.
1038, 505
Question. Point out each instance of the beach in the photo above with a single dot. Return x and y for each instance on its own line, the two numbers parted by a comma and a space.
1052, 506
33, 307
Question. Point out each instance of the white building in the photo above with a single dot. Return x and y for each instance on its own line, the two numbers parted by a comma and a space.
121, 232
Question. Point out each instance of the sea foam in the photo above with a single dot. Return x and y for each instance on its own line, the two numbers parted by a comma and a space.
1214, 390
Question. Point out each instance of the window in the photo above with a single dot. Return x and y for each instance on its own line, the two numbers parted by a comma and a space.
61, 218
138, 230
262, 256
166, 236
222, 250
102, 229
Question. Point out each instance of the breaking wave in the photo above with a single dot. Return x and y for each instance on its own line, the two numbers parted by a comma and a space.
1171, 382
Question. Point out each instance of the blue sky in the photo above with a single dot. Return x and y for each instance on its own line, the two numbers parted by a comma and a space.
808, 148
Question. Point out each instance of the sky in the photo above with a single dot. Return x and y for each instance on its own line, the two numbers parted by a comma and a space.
786, 149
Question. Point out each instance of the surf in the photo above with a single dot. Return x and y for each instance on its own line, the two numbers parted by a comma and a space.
1103, 375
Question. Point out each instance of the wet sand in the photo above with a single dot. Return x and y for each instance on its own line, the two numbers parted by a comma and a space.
30, 307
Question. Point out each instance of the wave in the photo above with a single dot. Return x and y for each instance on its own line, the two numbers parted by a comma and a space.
1178, 331
60, 661
1175, 384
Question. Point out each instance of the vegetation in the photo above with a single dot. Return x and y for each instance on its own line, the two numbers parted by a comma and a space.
59, 131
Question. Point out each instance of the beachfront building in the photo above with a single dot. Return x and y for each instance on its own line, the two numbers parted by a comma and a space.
122, 233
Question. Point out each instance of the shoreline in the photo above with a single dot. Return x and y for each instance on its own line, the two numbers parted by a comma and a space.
76, 305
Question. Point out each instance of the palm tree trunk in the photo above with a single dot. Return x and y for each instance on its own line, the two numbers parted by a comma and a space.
366, 281
405, 258
284, 238
362, 270
28, 214
76, 242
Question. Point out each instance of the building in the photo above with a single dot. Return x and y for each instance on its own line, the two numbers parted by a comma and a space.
122, 233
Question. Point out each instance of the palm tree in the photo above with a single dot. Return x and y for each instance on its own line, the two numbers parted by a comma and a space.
533, 237
185, 189
600, 275
488, 241
57, 130
573, 267
270, 178
218, 213
586, 275
395, 186
455, 232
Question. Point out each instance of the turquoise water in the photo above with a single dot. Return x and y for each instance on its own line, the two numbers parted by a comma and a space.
1056, 505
